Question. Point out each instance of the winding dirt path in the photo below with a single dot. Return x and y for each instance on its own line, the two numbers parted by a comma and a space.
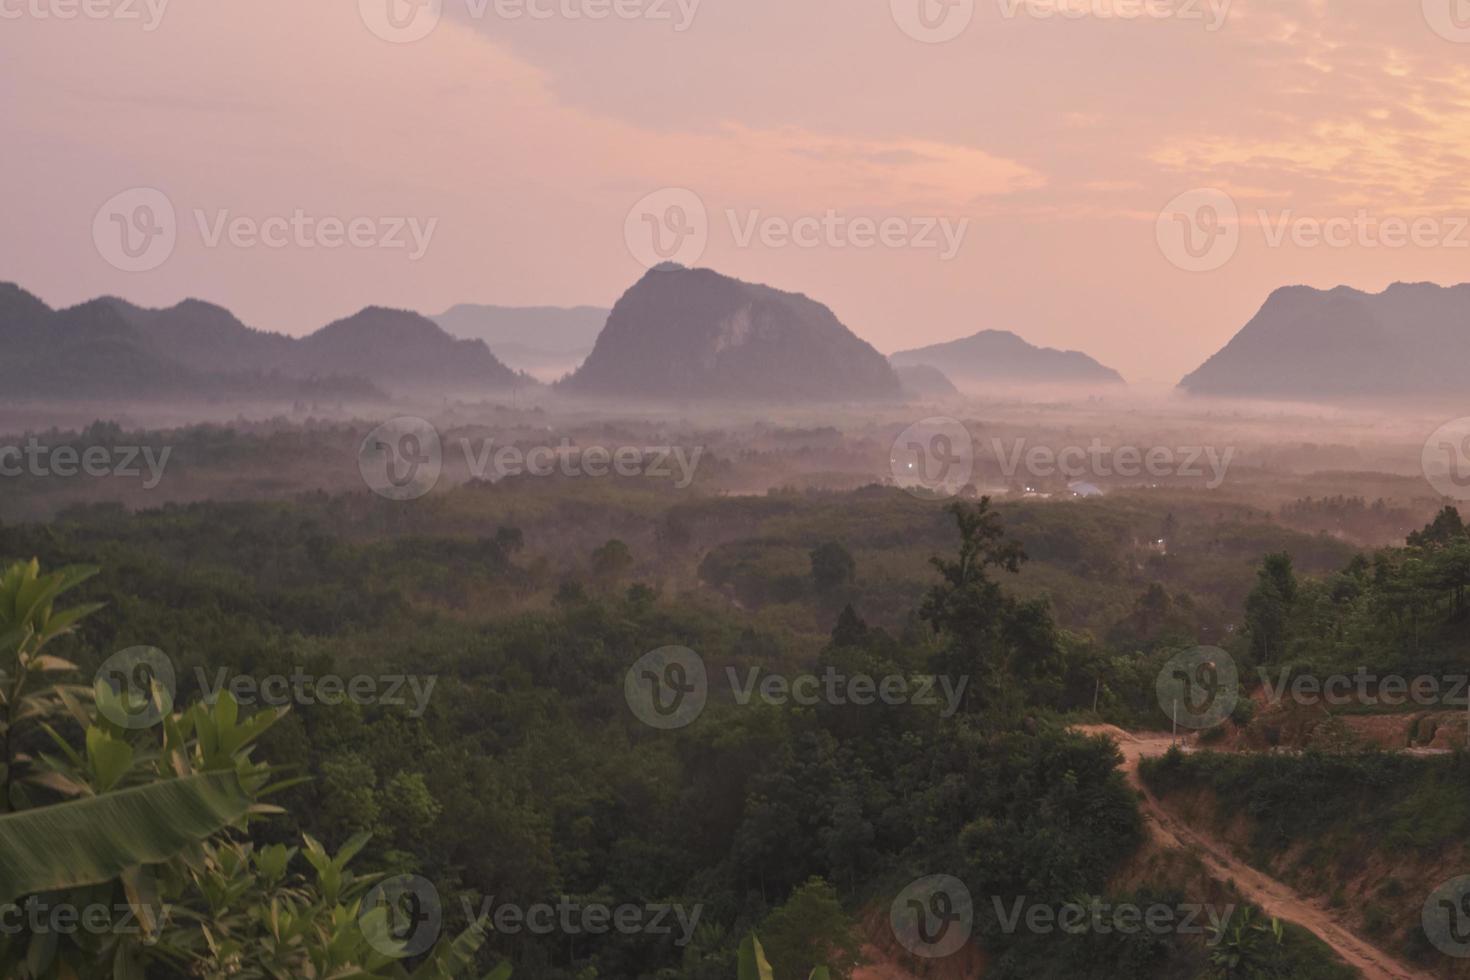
1274, 898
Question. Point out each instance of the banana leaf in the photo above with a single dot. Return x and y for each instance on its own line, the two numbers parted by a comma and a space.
91, 841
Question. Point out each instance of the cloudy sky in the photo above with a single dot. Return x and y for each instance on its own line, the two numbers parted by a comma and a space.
1126, 177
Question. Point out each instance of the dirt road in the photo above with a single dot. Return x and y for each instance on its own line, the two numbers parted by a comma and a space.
1274, 898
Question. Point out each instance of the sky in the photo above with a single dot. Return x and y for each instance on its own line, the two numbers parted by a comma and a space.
1131, 178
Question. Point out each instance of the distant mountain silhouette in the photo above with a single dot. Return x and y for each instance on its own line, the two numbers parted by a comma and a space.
396, 348
541, 340
109, 348
1001, 357
23, 317
924, 381
1311, 344
693, 333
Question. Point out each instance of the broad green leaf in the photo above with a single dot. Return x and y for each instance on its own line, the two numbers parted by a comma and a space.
753, 962
110, 758
454, 959
91, 841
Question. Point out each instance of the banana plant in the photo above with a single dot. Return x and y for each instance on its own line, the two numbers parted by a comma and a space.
30, 695
150, 828
753, 964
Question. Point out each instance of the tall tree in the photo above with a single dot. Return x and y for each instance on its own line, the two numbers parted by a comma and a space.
1268, 607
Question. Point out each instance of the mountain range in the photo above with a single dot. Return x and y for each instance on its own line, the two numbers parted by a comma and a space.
109, 348
1411, 339
996, 357
694, 333
691, 334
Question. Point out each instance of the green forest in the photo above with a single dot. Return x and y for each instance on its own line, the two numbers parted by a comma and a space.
520, 777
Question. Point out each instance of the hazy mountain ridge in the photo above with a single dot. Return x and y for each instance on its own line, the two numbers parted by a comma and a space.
551, 328
111, 348
1305, 343
999, 356
694, 333
546, 341
926, 381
